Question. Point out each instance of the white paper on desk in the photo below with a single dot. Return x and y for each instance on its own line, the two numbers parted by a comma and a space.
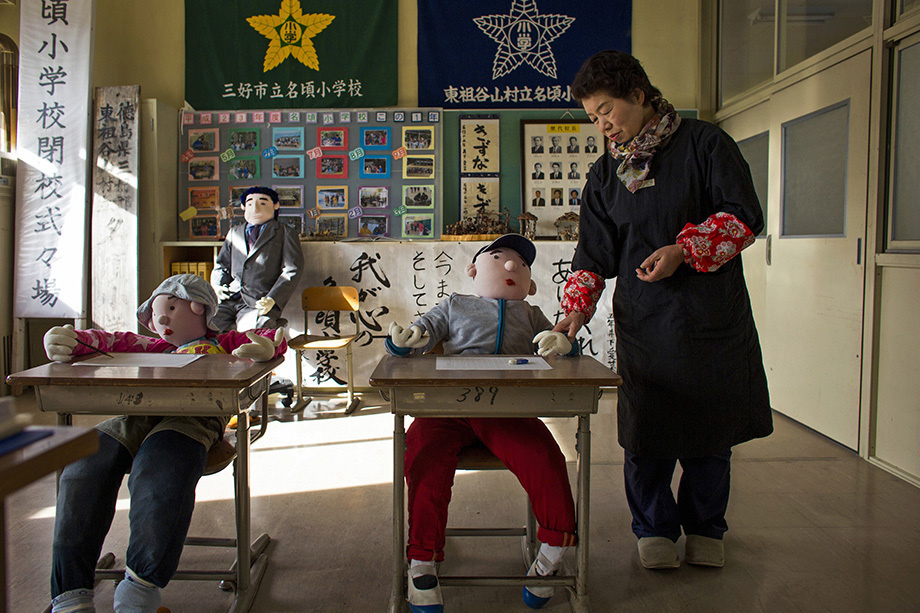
489, 362
142, 360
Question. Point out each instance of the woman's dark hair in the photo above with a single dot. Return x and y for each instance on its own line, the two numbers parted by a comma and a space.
616, 73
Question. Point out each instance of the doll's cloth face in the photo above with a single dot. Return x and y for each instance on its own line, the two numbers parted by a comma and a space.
502, 273
259, 208
177, 321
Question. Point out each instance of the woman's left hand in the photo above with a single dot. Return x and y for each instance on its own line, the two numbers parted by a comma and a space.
661, 264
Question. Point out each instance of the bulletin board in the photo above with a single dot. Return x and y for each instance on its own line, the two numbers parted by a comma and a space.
340, 174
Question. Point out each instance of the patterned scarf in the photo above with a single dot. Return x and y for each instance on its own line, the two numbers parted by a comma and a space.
636, 156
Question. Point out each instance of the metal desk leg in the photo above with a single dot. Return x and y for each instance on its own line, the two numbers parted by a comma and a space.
578, 597
398, 589
248, 575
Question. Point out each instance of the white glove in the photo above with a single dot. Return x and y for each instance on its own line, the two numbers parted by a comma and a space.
59, 343
264, 305
261, 349
411, 337
552, 343
222, 292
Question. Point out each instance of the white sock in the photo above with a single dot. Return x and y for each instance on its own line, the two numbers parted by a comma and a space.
549, 558
135, 595
74, 601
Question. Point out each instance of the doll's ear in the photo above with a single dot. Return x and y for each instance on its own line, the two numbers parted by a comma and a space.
197, 308
471, 270
533, 288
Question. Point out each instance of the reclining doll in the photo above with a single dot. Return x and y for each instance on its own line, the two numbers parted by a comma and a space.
497, 320
165, 455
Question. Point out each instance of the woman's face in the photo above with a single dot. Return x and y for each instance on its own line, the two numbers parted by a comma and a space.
619, 119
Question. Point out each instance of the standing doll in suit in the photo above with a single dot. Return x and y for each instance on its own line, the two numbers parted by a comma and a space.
258, 267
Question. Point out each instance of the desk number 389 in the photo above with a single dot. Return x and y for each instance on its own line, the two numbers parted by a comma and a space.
475, 394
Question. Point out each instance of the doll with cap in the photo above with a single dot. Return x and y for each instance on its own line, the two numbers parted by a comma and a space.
258, 267
165, 455
497, 319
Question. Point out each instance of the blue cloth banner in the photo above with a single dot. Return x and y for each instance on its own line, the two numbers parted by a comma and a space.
512, 53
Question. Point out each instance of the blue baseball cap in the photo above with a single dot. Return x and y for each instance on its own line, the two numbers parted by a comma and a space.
515, 242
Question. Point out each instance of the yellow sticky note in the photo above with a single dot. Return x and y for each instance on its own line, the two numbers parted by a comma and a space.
188, 213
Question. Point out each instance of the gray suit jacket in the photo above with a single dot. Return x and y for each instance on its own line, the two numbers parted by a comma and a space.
272, 269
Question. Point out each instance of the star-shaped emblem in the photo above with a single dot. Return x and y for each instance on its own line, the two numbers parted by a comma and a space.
524, 36
290, 33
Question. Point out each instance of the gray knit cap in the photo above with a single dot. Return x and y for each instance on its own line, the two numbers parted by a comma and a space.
186, 287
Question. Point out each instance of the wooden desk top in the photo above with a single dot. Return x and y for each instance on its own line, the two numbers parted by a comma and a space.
209, 371
44, 456
420, 371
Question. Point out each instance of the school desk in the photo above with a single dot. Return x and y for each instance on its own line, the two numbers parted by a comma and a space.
571, 388
211, 385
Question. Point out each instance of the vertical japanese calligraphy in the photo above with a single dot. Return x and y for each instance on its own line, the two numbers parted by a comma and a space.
114, 212
54, 84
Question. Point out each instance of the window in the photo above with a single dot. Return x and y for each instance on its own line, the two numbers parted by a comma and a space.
815, 173
904, 223
756, 150
810, 26
745, 47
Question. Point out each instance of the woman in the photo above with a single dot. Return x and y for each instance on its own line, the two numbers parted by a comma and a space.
665, 212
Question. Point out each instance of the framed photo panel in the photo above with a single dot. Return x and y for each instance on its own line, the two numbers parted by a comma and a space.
287, 167
289, 196
332, 138
204, 226
418, 196
243, 140
418, 225
374, 225
203, 169
295, 222
287, 139
375, 138
236, 192
418, 167
332, 225
242, 168
332, 197
555, 158
204, 140
204, 197
375, 167
374, 197
418, 137
332, 167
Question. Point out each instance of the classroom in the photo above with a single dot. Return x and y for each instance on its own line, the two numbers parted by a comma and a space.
398, 139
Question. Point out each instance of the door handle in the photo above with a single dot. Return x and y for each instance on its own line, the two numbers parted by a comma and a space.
768, 254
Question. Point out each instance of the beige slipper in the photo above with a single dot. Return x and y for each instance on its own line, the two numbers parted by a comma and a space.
658, 552
705, 551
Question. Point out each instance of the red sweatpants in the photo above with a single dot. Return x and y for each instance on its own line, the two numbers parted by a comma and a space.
524, 445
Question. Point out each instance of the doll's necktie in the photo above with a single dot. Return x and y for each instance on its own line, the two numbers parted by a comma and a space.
252, 235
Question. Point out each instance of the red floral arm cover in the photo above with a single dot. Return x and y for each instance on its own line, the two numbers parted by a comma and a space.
714, 242
582, 291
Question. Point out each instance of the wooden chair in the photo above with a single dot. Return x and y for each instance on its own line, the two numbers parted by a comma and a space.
343, 302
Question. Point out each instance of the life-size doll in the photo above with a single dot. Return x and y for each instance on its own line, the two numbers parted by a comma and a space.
258, 267
497, 320
165, 456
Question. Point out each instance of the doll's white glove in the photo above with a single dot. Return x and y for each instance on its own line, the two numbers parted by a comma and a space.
411, 337
552, 343
222, 291
261, 349
59, 343
264, 305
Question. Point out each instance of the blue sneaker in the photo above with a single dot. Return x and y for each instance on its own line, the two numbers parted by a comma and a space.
424, 590
537, 596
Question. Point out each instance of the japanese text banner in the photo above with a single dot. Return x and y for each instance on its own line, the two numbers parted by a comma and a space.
290, 53
512, 53
54, 85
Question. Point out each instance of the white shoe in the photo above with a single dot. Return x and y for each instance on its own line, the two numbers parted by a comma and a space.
537, 596
658, 552
424, 589
705, 551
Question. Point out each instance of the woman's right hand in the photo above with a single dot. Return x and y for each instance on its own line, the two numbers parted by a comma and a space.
571, 324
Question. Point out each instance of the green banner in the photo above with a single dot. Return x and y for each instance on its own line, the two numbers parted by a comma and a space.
262, 54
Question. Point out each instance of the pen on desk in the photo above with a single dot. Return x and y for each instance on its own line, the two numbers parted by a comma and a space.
94, 348
519, 361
